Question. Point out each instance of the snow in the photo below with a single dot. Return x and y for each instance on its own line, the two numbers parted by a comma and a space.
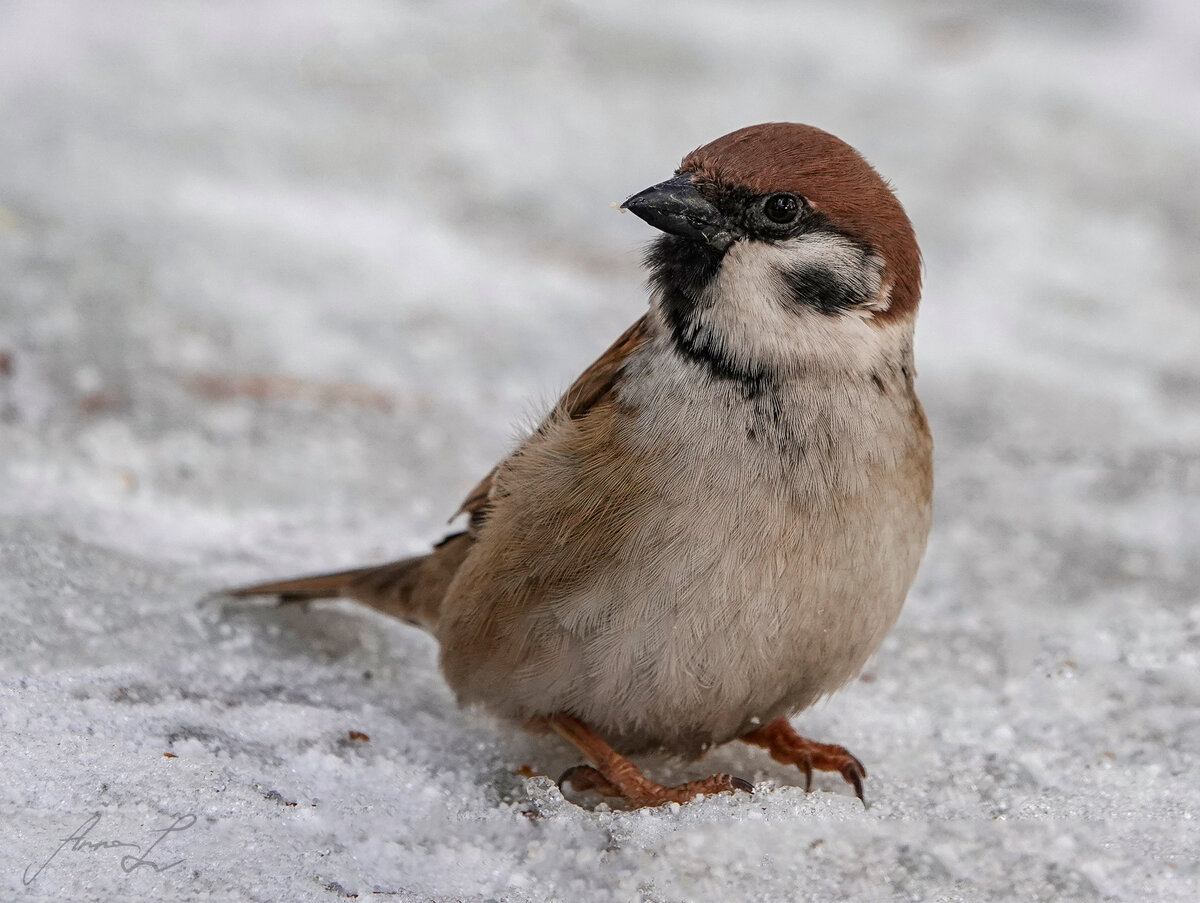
281, 281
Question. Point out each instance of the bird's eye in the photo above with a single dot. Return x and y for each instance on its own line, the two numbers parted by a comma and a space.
781, 208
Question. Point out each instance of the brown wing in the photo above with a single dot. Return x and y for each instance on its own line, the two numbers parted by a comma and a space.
412, 589
592, 385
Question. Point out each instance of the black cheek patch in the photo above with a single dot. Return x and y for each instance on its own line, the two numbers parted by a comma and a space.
834, 286
828, 291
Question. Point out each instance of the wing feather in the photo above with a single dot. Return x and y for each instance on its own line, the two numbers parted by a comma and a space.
593, 385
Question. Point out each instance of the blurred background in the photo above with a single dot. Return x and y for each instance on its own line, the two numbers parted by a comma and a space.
280, 281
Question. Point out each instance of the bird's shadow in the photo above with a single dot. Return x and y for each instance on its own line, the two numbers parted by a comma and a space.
330, 631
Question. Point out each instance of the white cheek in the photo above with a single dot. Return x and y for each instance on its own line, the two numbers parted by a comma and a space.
747, 305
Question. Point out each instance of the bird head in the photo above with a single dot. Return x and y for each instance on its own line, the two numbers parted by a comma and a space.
782, 249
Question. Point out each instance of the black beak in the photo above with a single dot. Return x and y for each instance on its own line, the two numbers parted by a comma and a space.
676, 206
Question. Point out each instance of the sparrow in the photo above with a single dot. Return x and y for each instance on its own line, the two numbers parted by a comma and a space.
719, 521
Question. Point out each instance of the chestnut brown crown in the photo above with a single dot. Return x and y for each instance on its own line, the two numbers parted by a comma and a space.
834, 178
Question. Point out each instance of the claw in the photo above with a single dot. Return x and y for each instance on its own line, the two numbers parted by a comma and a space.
788, 747
581, 778
741, 784
854, 773
567, 778
853, 778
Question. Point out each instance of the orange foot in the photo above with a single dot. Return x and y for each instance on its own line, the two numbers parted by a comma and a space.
614, 775
788, 747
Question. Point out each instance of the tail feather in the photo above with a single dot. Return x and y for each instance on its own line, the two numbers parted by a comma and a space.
410, 589
301, 589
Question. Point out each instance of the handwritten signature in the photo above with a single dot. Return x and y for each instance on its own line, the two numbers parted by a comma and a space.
77, 842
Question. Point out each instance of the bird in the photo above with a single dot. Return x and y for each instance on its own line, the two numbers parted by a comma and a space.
719, 521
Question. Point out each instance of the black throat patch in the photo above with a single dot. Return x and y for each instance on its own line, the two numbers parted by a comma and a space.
680, 270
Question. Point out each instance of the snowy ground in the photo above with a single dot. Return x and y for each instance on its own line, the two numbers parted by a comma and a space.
277, 284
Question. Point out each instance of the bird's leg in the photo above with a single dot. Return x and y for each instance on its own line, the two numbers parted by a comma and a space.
612, 774
788, 747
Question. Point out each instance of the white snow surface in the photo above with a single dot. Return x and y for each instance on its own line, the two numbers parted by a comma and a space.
280, 281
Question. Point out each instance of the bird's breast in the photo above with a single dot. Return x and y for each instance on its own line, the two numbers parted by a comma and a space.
786, 531
715, 557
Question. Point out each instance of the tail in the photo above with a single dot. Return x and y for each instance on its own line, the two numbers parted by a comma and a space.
411, 589
302, 589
